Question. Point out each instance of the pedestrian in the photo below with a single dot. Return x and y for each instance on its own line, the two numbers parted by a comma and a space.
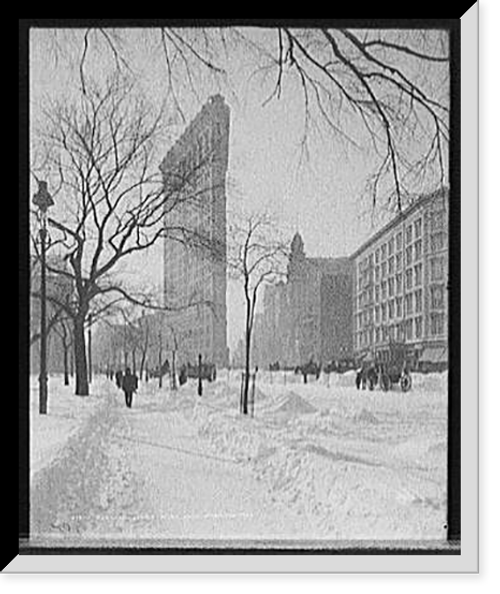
183, 375
118, 378
129, 385
358, 379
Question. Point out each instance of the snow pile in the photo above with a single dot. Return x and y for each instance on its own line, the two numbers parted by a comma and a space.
354, 464
295, 405
430, 382
66, 416
232, 436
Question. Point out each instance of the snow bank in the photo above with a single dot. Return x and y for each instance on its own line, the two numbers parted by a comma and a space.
65, 418
355, 464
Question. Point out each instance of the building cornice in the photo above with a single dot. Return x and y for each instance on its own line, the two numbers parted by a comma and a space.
419, 203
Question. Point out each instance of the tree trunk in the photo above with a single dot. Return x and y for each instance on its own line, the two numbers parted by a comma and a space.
82, 380
65, 363
133, 362
143, 363
246, 383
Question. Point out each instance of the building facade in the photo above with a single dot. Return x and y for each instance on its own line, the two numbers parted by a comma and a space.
310, 315
401, 280
194, 177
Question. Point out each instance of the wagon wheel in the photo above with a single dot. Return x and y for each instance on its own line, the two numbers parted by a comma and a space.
405, 382
385, 382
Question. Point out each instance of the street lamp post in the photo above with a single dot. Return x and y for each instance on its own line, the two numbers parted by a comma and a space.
43, 200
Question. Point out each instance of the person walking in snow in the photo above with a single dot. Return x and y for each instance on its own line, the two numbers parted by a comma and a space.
129, 385
118, 378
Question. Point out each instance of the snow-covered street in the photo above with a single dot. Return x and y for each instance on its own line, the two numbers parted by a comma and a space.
317, 461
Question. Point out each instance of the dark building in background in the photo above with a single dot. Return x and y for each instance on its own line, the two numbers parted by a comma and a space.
193, 274
310, 315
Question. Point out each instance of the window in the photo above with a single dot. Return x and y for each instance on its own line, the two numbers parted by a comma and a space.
391, 287
418, 227
384, 269
437, 241
377, 334
383, 251
408, 255
377, 274
377, 293
418, 274
399, 241
409, 279
401, 332
418, 301
384, 290
418, 249
399, 307
408, 234
399, 283
437, 269
399, 261
384, 312
377, 256
409, 304
437, 297
418, 327
409, 329
391, 265
391, 309
390, 247
377, 314
437, 324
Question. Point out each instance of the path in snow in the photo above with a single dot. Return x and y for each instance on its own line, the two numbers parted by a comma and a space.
193, 493
146, 473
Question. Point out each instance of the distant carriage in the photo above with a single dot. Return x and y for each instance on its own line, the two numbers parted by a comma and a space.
340, 366
389, 368
208, 371
310, 368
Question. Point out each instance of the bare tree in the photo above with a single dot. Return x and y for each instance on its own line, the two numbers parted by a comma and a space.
254, 258
102, 154
385, 92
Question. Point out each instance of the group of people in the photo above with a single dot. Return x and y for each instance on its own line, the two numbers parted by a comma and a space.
128, 382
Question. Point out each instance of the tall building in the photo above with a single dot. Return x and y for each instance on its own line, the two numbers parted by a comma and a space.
194, 176
310, 315
400, 284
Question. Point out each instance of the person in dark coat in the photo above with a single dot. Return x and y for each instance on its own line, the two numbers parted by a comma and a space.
183, 375
129, 386
359, 376
118, 378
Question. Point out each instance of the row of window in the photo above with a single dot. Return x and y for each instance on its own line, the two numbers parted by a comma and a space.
412, 277
399, 307
413, 241
407, 330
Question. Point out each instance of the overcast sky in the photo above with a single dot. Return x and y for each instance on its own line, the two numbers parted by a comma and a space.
319, 196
